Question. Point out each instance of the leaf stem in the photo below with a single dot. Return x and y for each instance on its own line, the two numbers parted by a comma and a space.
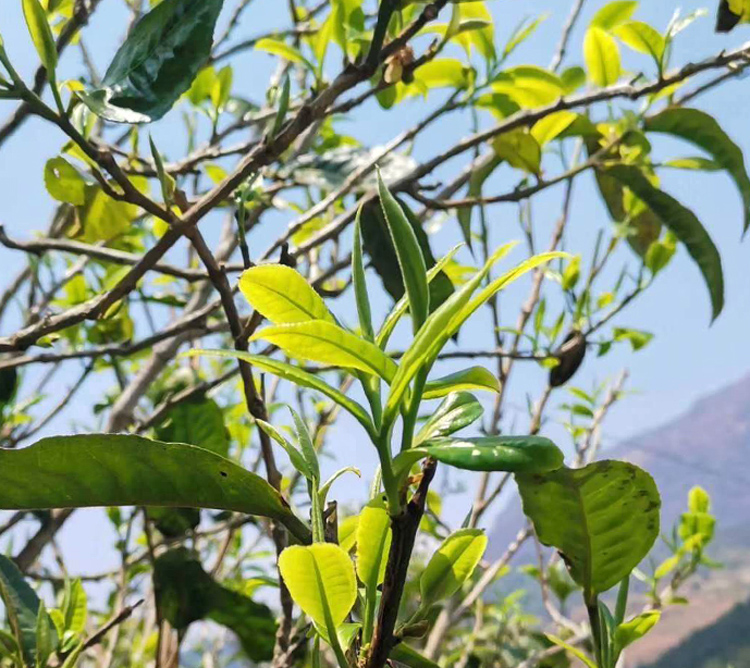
592, 607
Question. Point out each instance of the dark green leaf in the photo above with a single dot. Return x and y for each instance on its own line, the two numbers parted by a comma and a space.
379, 247
702, 130
487, 453
157, 63
409, 254
124, 470
645, 225
8, 383
360, 283
407, 656
198, 421
21, 606
603, 518
186, 593
686, 227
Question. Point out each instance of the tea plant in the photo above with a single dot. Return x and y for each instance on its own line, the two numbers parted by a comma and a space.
196, 417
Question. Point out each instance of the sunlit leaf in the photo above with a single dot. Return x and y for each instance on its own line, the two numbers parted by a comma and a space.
602, 57
321, 580
473, 378
297, 376
603, 519
451, 565
282, 294
327, 343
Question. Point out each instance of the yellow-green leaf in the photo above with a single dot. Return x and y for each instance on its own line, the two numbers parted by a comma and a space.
64, 182
550, 127
452, 565
634, 629
529, 86
327, 343
279, 48
298, 377
41, 35
519, 149
321, 580
573, 650
614, 13
602, 57
282, 295
373, 543
473, 378
641, 37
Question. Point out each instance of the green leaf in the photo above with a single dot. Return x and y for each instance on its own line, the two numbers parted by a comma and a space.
634, 629
373, 543
41, 35
378, 244
46, 638
529, 86
64, 182
299, 377
588, 662
683, 223
519, 149
8, 386
305, 444
410, 259
157, 62
9, 647
402, 305
517, 454
473, 378
166, 181
21, 603
614, 14
360, 283
327, 343
433, 335
458, 410
550, 127
75, 607
185, 593
197, 421
126, 470
602, 57
326, 486
643, 38
280, 48
703, 131
283, 106
695, 163
603, 518
476, 183
408, 656
321, 580
295, 456
451, 565
282, 295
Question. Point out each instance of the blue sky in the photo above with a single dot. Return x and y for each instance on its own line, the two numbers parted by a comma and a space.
687, 357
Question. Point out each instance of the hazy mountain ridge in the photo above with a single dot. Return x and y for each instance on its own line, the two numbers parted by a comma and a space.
708, 445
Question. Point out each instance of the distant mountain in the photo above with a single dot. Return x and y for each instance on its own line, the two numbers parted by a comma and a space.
709, 445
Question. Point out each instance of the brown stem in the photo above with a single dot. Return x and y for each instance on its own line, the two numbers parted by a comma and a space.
404, 528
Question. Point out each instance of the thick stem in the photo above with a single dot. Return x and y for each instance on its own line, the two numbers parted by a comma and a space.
404, 527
